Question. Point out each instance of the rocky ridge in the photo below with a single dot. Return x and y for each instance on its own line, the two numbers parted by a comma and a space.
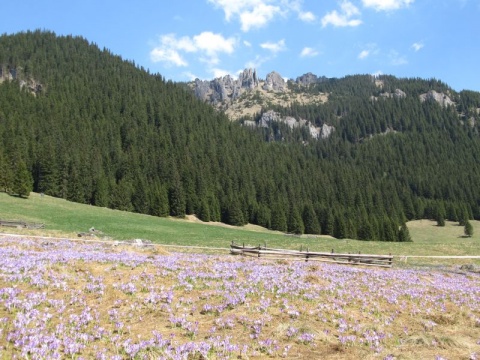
248, 96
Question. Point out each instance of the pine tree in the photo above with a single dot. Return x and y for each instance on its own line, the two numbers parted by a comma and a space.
295, 222
159, 200
404, 234
339, 228
279, 219
440, 214
203, 212
6, 176
468, 229
440, 220
310, 220
264, 216
22, 182
176, 197
328, 223
234, 213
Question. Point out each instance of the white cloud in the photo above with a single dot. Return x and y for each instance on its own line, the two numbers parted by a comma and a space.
370, 49
219, 72
247, 43
256, 63
363, 54
251, 13
417, 46
308, 52
307, 16
344, 18
214, 43
386, 5
168, 56
190, 76
397, 59
208, 44
274, 47
377, 73
258, 13
258, 16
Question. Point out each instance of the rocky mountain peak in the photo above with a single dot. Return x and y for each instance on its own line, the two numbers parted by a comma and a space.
275, 82
224, 90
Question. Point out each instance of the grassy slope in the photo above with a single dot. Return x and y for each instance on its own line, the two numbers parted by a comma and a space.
63, 218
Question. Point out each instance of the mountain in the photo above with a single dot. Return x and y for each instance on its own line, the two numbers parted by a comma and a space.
80, 123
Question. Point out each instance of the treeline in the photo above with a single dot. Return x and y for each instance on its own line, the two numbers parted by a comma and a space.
101, 130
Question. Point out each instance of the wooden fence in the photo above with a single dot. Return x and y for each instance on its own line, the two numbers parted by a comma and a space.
21, 224
305, 255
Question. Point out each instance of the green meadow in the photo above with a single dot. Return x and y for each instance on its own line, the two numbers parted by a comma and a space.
66, 219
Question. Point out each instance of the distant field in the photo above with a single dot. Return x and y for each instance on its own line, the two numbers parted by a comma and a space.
67, 219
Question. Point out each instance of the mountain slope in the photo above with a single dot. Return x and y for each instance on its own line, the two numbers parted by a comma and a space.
95, 129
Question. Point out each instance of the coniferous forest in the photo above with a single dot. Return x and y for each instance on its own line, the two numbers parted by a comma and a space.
80, 123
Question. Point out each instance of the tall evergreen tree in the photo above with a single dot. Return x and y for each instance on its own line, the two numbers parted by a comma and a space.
22, 183
310, 220
295, 223
468, 229
404, 234
279, 219
6, 175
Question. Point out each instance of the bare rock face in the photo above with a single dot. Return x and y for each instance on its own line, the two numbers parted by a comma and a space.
202, 89
270, 116
8, 73
440, 98
275, 82
399, 94
248, 79
326, 131
225, 89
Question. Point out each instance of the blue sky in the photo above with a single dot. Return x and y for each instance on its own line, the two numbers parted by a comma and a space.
186, 39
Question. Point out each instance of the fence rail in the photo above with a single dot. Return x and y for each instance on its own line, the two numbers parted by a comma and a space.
306, 255
21, 224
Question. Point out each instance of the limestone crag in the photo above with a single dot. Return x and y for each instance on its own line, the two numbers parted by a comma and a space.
9, 74
275, 82
225, 89
270, 116
399, 94
440, 98
248, 79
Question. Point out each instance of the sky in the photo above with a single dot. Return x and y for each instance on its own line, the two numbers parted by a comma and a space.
187, 39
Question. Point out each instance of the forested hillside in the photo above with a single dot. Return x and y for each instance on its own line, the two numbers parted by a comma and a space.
80, 123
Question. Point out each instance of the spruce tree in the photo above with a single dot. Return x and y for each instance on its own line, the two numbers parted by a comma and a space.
6, 175
234, 213
295, 223
310, 220
404, 234
203, 212
468, 229
339, 228
279, 219
22, 182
